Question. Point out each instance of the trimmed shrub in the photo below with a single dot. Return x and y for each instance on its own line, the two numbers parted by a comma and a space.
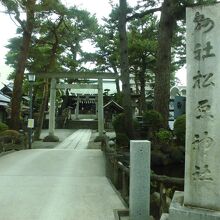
15, 135
3, 127
136, 124
177, 155
153, 119
118, 123
122, 139
180, 129
158, 158
164, 136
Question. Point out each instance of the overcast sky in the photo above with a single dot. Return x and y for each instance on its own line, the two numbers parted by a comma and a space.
99, 7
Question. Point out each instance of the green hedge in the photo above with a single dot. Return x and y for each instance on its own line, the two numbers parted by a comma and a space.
118, 123
3, 127
180, 129
164, 136
153, 119
122, 139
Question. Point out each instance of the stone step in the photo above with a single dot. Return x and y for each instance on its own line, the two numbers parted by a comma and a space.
82, 124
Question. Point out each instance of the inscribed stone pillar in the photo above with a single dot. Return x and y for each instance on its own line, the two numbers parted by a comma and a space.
202, 169
139, 199
100, 108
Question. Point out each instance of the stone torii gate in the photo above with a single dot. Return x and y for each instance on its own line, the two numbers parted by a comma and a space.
84, 75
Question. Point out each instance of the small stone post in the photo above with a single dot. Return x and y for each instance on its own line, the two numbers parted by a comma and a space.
139, 199
51, 137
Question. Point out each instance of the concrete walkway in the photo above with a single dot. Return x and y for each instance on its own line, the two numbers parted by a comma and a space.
56, 184
78, 140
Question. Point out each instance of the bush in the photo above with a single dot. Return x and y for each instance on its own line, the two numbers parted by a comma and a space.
158, 158
153, 119
122, 139
136, 123
118, 123
3, 127
164, 136
180, 129
15, 135
177, 155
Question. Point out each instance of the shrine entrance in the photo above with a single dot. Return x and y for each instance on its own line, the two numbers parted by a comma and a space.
79, 76
83, 104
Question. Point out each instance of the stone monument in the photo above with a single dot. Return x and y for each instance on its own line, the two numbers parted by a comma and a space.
202, 177
139, 199
201, 198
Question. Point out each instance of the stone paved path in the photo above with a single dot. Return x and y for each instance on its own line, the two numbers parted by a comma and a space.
78, 140
56, 184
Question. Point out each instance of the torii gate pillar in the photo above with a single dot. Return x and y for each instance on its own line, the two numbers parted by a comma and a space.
100, 108
77, 108
51, 137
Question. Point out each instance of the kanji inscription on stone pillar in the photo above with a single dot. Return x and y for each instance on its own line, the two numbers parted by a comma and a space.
202, 169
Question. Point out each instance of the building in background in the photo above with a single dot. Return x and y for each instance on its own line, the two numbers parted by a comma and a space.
177, 105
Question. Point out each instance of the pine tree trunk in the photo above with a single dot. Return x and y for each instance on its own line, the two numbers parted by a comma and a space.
48, 68
117, 80
142, 93
127, 103
22, 59
142, 78
43, 105
162, 77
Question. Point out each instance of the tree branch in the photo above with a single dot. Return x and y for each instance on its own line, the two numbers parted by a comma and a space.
141, 15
